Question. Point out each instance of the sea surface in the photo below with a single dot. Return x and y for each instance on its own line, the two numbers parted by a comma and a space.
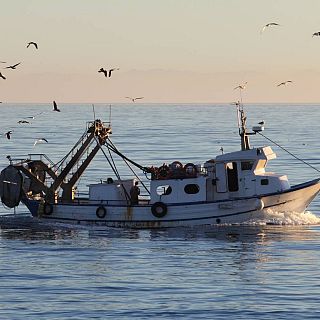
260, 271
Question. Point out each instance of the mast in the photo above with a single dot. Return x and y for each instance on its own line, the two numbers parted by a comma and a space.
243, 132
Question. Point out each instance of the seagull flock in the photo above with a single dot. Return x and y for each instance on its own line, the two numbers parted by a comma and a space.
14, 66
9, 133
267, 26
108, 72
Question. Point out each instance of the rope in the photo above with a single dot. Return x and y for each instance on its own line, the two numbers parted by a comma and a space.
284, 149
113, 148
114, 169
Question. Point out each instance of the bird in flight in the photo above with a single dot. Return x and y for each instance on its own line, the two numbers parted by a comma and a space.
55, 107
269, 25
40, 140
8, 134
284, 83
107, 73
2, 76
317, 34
241, 86
23, 121
13, 66
134, 99
32, 43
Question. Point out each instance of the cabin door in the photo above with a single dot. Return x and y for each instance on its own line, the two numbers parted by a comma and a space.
221, 178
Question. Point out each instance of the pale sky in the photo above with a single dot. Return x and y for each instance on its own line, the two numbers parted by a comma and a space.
167, 50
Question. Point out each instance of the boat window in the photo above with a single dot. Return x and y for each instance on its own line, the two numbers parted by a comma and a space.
232, 173
164, 190
191, 188
264, 182
246, 165
261, 165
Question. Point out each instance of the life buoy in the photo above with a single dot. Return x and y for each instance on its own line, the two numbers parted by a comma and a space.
47, 209
176, 165
101, 212
177, 170
159, 209
190, 170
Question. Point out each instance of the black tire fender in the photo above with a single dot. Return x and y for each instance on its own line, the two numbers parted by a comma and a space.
159, 209
101, 212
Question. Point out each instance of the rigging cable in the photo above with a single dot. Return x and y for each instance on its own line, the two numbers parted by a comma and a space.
126, 160
115, 150
127, 163
114, 169
308, 164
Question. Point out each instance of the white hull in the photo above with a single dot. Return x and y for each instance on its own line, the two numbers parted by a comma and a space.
238, 211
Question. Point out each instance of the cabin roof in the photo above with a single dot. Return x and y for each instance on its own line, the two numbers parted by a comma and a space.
263, 153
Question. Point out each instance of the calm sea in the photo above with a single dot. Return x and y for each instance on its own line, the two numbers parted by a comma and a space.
50, 271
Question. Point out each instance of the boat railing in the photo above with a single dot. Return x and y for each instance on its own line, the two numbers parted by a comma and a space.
41, 156
19, 159
91, 123
83, 200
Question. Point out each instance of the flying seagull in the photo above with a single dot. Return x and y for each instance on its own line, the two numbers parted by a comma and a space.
269, 25
284, 83
2, 76
33, 43
13, 66
8, 134
317, 34
40, 140
241, 87
134, 99
107, 73
55, 107
23, 121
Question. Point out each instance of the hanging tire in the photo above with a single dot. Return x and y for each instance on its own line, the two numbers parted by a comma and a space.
101, 212
163, 172
47, 209
159, 209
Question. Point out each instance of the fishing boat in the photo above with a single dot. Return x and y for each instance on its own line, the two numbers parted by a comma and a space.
231, 188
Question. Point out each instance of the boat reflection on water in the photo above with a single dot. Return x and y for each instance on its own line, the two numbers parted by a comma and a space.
25, 227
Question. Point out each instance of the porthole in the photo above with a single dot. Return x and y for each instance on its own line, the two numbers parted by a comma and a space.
191, 188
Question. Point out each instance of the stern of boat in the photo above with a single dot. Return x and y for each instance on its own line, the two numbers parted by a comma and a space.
32, 205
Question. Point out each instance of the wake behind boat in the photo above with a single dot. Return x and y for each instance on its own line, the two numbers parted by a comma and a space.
231, 188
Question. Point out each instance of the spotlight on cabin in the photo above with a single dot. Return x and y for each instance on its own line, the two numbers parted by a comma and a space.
256, 129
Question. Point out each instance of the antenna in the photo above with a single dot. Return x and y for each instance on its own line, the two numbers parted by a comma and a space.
110, 115
94, 113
